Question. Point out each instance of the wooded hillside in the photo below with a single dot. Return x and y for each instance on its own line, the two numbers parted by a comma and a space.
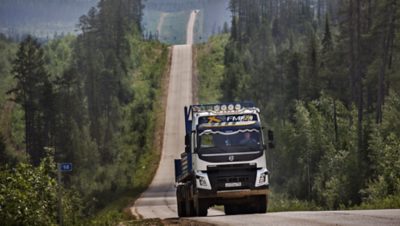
91, 100
326, 77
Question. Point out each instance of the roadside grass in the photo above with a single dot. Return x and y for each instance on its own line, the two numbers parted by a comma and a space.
281, 203
388, 202
115, 210
278, 202
155, 64
210, 68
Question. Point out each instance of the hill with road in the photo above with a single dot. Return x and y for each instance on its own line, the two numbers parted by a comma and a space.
213, 16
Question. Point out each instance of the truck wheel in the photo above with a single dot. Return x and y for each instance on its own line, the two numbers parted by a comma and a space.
230, 210
181, 207
201, 207
262, 204
190, 211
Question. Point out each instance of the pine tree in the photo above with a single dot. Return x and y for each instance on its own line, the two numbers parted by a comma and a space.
31, 92
327, 43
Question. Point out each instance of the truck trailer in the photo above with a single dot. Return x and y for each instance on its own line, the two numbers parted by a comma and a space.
224, 161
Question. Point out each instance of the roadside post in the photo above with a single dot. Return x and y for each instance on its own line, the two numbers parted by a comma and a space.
61, 168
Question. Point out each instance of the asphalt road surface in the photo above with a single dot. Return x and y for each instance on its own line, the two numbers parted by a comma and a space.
311, 218
159, 199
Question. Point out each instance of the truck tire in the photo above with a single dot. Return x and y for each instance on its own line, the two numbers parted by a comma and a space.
189, 202
201, 207
180, 201
181, 209
190, 211
231, 209
262, 204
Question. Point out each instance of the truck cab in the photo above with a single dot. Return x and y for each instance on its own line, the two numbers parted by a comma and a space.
224, 162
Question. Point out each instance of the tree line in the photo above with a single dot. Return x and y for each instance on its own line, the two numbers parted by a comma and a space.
42, 18
326, 76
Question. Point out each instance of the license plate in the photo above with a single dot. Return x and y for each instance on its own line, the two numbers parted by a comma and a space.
233, 184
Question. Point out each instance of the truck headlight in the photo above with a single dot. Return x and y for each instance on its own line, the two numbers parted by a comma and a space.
262, 177
202, 180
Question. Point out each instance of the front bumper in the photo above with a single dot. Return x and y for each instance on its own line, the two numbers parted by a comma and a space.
233, 194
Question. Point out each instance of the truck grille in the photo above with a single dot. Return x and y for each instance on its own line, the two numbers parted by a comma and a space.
231, 177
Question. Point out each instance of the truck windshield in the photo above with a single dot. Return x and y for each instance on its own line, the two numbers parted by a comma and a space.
239, 140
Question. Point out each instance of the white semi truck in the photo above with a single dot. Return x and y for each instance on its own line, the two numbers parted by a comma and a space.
224, 162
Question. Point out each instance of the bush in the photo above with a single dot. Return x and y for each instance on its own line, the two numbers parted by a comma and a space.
28, 195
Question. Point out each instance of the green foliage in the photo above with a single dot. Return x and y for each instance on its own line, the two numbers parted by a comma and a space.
144, 111
18, 128
312, 162
58, 55
12, 138
33, 91
100, 93
380, 195
28, 195
278, 202
210, 66
7, 54
385, 145
108, 218
320, 81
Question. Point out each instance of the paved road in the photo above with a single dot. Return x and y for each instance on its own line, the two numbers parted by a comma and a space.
311, 218
159, 200
160, 23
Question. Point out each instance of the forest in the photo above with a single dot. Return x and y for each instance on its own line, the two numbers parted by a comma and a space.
42, 18
93, 100
326, 77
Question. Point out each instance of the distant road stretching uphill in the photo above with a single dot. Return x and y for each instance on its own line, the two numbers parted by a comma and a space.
159, 201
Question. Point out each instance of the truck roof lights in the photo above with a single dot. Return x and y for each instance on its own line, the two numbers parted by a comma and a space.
223, 107
238, 107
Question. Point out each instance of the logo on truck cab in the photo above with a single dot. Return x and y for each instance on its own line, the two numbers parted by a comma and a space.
228, 118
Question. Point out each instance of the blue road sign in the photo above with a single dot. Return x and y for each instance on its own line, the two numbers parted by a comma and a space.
66, 167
